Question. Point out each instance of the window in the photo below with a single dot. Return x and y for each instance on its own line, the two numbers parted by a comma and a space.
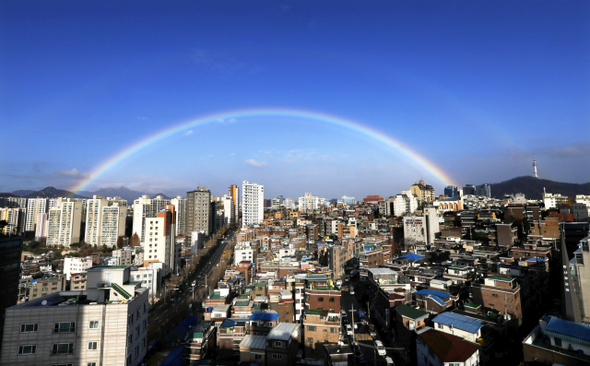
64, 327
309, 340
311, 328
258, 357
27, 350
333, 330
331, 299
93, 324
90, 363
557, 342
277, 356
92, 345
495, 295
63, 348
278, 344
25, 328
320, 299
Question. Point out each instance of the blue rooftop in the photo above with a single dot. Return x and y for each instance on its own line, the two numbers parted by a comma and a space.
437, 299
264, 316
572, 331
427, 292
412, 256
462, 322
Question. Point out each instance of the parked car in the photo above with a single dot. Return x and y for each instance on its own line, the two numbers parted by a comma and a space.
380, 348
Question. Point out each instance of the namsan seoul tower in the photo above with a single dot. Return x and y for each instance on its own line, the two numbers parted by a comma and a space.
535, 174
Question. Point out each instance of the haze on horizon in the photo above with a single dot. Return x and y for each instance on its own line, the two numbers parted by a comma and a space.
476, 88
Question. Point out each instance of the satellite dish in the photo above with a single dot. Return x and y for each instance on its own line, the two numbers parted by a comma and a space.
44, 302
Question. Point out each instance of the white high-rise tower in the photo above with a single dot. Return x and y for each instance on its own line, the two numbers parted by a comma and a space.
252, 203
535, 167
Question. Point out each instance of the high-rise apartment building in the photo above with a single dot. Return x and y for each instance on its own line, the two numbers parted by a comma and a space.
105, 220
199, 216
252, 203
64, 222
308, 202
405, 203
35, 206
146, 207
228, 210
104, 325
180, 209
160, 240
15, 219
424, 192
234, 192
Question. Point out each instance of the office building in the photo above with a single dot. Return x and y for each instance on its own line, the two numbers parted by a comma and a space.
451, 191
252, 203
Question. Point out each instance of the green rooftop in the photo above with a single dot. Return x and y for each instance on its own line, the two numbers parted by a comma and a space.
410, 312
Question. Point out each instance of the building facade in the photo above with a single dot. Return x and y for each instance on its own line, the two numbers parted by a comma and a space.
252, 203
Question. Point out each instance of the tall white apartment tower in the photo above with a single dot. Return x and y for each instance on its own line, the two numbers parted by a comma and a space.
64, 222
105, 220
146, 207
252, 203
35, 207
94, 219
179, 204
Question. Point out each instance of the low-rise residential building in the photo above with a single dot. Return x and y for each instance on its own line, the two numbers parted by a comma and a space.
443, 349
558, 341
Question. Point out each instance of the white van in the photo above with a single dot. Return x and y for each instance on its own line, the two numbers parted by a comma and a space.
389, 361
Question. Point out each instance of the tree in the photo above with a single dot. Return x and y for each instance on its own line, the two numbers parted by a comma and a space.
121, 242
134, 241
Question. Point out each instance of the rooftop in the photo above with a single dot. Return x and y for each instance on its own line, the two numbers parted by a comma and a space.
459, 321
449, 348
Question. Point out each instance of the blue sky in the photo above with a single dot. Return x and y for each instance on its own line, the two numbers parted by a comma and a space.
474, 87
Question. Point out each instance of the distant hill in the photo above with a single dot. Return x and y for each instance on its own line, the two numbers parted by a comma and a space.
533, 187
23, 193
123, 192
51, 192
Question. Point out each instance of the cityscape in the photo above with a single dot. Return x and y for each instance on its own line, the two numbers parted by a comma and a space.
418, 278
261, 183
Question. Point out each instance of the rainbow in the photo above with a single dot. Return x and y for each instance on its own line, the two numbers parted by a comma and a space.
276, 112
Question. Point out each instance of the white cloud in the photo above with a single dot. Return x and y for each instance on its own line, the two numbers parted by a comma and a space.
188, 133
256, 164
72, 173
228, 121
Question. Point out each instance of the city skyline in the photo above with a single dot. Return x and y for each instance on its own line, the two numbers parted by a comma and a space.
332, 98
